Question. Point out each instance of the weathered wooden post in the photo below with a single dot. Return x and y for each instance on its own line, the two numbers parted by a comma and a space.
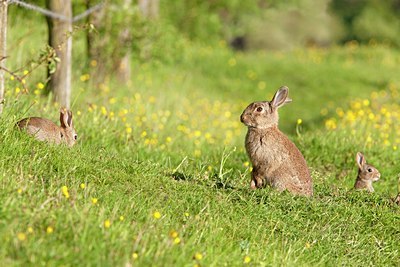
3, 48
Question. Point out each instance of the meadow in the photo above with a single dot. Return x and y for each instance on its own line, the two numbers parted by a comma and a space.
160, 177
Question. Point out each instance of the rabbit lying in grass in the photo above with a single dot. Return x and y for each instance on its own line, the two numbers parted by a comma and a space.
276, 160
46, 130
366, 174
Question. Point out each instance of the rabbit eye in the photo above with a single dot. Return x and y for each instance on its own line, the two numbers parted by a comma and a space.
75, 136
61, 135
259, 109
369, 170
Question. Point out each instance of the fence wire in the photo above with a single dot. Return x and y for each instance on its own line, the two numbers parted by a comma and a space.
54, 15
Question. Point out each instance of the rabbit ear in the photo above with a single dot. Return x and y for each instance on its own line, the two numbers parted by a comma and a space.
281, 97
360, 160
70, 118
65, 118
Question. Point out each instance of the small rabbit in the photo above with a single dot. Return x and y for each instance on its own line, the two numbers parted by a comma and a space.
46, 130
366, 174
276, 160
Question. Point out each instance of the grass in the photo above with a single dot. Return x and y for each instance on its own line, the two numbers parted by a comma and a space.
160, 176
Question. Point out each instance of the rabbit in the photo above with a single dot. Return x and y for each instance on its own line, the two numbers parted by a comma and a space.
397, 198
366, 174
46, 130
276, 160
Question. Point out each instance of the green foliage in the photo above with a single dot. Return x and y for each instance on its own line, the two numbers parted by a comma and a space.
366, 20
378, 22
207, 21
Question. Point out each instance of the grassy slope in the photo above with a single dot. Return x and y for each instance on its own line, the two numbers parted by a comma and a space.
207, 204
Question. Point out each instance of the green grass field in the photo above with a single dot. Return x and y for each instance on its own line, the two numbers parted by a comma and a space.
160, 177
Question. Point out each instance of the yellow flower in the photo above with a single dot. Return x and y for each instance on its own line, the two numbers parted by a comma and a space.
246, 259
330, 124
121, 218
94, 201
19, 191
49, 230
85, 77
261, 85
197, 152
186, 214
232, 62
103, 110
65, 192
82, 186
128, 130
307, 245
157, 215
40, 85
173, 234
152, 99
246, 164
177, 240
107, 223
135, 255
93, 63
26, 72
12, 77
324, 111
30, 230
299, 121
198, 256
21, 236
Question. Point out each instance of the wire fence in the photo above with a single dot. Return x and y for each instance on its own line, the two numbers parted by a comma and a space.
54, 15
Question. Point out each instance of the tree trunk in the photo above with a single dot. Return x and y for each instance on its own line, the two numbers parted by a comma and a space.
124, 63
95, 19
107, 38
3, 48
95, 42
60, 39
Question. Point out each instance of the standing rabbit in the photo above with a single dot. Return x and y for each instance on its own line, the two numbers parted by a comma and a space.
46, 130
276, 160
366, 174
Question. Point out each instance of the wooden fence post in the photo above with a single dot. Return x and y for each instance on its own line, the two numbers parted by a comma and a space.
3, 48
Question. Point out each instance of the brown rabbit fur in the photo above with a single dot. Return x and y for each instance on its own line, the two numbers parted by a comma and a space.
366, 174
46, 130
276, 160
397, 199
